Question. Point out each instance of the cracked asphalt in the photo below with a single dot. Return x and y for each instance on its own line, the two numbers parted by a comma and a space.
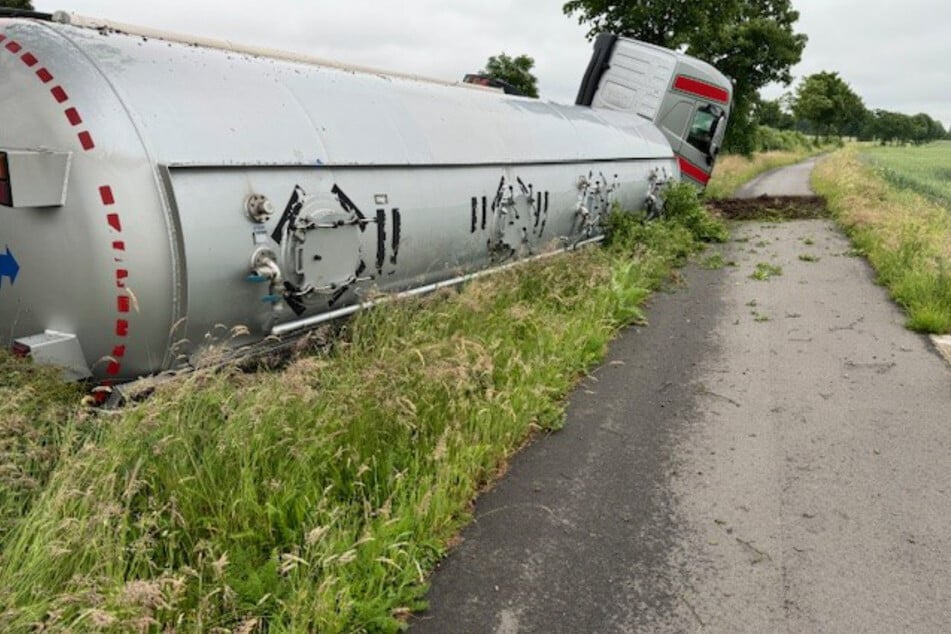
765, 456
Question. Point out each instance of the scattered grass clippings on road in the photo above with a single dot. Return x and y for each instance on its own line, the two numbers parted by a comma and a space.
317, 498
809, 257
765, 270
760, 317
714, 261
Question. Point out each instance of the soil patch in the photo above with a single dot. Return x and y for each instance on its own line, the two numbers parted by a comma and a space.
770, 208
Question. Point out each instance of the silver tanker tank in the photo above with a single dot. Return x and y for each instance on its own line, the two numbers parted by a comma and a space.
162, 192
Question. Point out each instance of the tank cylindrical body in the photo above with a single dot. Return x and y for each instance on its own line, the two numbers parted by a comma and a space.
210, 193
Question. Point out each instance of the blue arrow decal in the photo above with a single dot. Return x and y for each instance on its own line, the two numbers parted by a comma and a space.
8, 267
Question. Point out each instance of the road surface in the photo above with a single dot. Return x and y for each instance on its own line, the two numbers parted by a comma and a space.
768, 455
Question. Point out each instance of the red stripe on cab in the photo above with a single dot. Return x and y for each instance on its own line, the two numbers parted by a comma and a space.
701, 89
694, 172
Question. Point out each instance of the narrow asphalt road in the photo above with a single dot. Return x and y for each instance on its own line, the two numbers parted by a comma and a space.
768, 455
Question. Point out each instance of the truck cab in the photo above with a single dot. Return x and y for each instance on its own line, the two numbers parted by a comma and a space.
686, 98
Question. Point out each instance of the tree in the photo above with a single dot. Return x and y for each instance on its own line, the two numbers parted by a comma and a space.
827, 102
751, 41
773, 113
26, 5
515, 71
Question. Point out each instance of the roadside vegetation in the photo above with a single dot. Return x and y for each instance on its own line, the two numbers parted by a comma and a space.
893, 204
318, 497
779, 149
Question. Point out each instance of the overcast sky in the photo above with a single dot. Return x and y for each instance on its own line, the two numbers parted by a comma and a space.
895, 54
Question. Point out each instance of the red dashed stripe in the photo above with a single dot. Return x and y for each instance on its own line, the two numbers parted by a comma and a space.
114, 221
72, 115
85, 139
105, 192
59, 94
106, 195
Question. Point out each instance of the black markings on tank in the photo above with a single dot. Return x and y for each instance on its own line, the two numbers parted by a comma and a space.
397, 233
380, 240
498, 194
337, 295
475, 212
541, 229
290, 214
348, 206
292, 297
485, 203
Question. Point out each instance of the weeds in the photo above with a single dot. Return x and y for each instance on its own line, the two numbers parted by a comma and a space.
809, 257
764, 271
715, 261
320, 497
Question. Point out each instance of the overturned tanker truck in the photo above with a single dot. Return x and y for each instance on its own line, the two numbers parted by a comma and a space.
160, 192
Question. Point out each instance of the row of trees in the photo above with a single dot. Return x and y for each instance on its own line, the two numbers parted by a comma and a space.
825, 105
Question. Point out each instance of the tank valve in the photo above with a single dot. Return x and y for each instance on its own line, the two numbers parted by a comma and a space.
264, 268
259, 208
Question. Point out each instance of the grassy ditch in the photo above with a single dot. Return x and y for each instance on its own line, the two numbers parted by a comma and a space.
317, 498
905, 234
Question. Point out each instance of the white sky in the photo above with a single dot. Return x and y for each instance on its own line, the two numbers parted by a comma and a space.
896, 55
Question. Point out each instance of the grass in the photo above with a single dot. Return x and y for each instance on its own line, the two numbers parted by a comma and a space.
904, 231
809, 257
716, 261
320, 497
764, 271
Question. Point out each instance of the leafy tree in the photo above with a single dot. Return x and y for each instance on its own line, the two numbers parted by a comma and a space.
827, 102
515, 71
751, 41
26, 5
773, 113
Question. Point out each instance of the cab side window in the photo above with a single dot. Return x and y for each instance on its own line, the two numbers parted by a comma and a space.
703, 127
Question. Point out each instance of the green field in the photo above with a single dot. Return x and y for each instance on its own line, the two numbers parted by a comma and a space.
925, 169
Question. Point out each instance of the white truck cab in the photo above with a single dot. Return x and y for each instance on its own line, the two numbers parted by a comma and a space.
688, 99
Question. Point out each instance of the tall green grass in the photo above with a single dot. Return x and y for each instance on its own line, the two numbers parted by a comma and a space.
906, 236
317, 498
